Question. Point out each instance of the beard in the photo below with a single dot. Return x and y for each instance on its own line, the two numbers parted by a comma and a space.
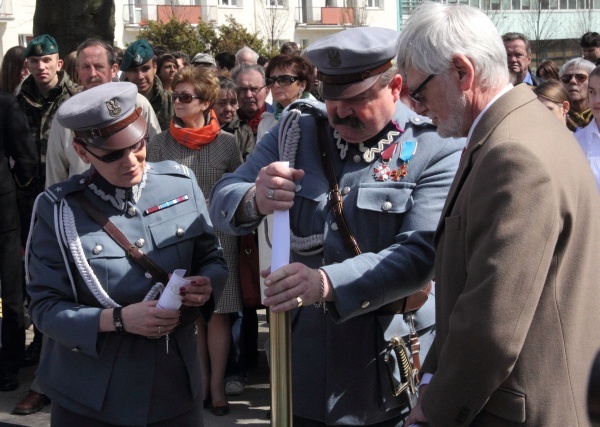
454, 125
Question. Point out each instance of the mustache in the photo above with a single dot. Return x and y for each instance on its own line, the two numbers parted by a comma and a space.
352, 122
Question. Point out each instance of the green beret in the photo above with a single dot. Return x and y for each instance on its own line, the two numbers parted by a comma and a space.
40, 46
138, 53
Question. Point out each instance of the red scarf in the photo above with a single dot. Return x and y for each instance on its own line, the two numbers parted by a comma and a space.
254, 121
197, 137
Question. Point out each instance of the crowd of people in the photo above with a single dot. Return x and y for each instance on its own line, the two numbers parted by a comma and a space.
442, 201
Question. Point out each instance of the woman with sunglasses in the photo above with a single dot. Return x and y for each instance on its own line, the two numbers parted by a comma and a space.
102, 245
574, 75
195, 140
289, 78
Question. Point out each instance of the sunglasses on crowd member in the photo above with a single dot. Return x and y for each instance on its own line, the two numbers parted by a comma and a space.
184, 97
113, 156
566, 78
283, 80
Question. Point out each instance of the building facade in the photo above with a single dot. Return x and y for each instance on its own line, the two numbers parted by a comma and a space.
556, 25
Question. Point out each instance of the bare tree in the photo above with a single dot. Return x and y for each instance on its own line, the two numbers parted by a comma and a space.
585, 20
540, 26
492, 9
72, 21
355, 14
272, 18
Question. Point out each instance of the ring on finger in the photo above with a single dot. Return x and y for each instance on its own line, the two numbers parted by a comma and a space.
159, 330
299, 301
271, 194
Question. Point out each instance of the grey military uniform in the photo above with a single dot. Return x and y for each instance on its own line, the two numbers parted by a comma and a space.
339, 377
125, 370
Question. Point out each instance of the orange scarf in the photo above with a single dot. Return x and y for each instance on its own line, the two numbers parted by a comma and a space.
196, 138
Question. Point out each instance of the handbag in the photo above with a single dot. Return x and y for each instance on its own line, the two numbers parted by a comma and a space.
249, 271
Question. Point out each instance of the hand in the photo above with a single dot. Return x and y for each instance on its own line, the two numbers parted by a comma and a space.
197, 292
143, 318
284, 286
417, 416
277, 181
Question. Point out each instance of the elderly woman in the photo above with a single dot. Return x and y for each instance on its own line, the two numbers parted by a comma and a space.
167, 66
574, 76
555, 98
113, 357
196, 140
225, 109
289, 78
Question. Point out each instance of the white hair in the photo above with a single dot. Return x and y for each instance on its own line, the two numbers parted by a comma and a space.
435, 33
245, 49
582, 64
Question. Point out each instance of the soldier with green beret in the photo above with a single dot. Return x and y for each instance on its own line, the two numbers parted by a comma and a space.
41, 94
139, 65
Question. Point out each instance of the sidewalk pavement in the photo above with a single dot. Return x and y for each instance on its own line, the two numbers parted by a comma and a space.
251, 407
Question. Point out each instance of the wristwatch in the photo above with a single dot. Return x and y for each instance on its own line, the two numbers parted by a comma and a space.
117, 320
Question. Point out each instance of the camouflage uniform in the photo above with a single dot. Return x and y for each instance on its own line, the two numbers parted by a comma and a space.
40, 112
162, 104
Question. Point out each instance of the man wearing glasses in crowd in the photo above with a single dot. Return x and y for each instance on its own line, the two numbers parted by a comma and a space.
252, 94
574, 76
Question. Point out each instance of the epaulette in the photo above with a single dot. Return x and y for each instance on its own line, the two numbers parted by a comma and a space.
59, 191
169, 167
421, 121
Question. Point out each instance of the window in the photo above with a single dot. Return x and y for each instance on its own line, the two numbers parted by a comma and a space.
376, 4
275, 3
231, 3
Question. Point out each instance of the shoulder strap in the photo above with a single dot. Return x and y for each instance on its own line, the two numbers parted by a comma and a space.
113, 231
335, 197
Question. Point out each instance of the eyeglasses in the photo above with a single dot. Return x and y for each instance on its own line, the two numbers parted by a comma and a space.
414, 95
283, 80
113, 156
254, 90
184, 97
566, 78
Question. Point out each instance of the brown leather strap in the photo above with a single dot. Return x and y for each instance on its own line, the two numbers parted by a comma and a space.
113, 231
109, 130
408, 304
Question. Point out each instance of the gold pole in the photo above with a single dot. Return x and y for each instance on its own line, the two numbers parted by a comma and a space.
280, 352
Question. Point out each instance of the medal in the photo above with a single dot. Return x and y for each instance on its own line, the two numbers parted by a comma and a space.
166, 204
383, 171
407, 151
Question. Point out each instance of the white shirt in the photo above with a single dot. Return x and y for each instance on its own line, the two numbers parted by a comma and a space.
589, 140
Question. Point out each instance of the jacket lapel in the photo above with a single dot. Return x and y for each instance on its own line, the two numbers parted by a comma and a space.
506, 104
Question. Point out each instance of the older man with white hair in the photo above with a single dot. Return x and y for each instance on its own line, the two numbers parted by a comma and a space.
246, 56
517, 244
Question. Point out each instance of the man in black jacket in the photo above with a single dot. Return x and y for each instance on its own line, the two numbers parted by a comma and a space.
17, 149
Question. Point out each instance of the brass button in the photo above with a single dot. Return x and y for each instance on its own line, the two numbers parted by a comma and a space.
365, 304
345, 190
298, 188
357, 158
386, 206
179, 232
132, 211
97, 249
148, 275
140, 243
76, 349
334, 226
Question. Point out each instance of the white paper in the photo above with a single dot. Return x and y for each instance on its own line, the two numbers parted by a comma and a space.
170, 298
280, 254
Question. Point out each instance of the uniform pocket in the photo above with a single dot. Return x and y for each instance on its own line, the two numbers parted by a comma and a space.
507, 404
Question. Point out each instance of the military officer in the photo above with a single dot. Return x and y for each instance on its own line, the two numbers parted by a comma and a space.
139, 66
96, 304
393, 174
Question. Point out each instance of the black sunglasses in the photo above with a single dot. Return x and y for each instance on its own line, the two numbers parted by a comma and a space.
184, 98
414, 95
566, 78
113, 156
283, 80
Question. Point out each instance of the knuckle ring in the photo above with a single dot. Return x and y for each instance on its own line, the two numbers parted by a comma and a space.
299, 301
271, 194
159, 330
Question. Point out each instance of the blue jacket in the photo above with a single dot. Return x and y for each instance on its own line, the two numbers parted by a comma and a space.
113, 377
337, 360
